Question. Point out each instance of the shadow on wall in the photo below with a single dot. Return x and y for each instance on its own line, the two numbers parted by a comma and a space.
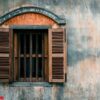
74, 54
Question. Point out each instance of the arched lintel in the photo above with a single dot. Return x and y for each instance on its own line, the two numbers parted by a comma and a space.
32, 9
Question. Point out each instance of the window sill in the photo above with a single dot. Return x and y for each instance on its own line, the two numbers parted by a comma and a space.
30, 84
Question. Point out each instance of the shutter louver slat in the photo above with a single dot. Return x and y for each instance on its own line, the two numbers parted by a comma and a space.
57, 42
4, 55
56, 55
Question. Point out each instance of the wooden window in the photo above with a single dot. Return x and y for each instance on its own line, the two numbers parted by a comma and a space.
37, 55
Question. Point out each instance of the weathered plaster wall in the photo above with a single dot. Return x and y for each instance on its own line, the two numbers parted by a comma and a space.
83, 35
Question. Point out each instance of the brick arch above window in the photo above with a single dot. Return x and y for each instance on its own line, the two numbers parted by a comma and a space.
30, 19
31, 15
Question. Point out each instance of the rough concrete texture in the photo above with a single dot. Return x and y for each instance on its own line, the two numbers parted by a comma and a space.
83, 36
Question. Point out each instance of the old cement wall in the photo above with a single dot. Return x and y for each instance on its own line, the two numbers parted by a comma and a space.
83, 35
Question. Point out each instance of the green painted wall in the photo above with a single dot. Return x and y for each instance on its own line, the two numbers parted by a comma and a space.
83, 36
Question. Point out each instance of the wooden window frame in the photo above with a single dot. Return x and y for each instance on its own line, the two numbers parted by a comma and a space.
45, 62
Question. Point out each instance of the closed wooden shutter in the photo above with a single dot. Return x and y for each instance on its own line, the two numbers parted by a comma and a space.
5, 55
57, 55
